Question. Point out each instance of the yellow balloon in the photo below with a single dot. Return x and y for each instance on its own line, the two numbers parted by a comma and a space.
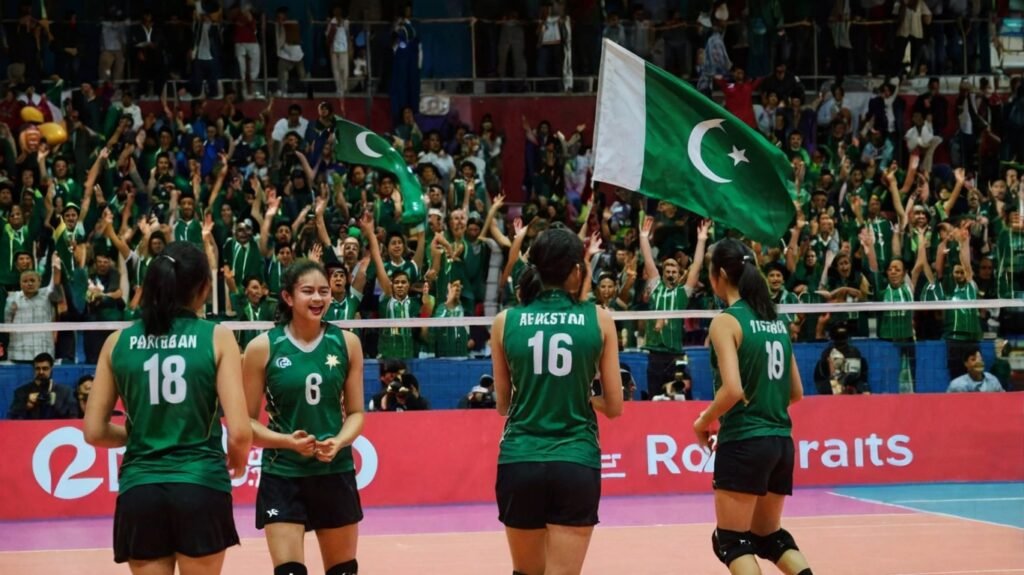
30, 114
54, 133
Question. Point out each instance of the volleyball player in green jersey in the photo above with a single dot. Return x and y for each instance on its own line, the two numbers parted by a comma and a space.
756, 379
173, 372
545, 355
312, 375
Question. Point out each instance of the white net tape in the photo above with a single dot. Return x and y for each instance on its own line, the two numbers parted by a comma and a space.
487, 320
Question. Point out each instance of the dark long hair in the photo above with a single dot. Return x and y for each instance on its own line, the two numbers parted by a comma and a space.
289, 278
740, 265
553, 256
173, 281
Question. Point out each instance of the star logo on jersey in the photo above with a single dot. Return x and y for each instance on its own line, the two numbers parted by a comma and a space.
284, 363
271, 512
332, 361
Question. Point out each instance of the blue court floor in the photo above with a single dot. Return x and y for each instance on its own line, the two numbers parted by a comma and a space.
997, 503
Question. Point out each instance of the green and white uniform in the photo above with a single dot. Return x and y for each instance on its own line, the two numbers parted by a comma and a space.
765, 359
305, 387
664, 298
963, 324
168, 385
552, 346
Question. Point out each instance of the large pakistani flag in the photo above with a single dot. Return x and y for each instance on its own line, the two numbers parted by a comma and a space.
657, 135
358, 145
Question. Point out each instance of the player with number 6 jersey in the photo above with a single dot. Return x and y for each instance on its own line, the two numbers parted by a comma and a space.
311, 373
545, 355
173, 372
755, 380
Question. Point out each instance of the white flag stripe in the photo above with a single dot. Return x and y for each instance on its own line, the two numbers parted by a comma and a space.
621, 123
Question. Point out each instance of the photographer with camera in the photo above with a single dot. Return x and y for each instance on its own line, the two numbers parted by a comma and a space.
41, 398
680, 388
481, 396
841, 369
403, 394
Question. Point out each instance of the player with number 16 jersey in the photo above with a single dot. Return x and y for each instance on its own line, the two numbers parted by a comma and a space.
545, 356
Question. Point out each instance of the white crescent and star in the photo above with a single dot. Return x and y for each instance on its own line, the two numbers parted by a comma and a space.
693, 150
364, 148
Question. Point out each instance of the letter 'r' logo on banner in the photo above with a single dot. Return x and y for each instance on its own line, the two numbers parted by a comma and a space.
68, 487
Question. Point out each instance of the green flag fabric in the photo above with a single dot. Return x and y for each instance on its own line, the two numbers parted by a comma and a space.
657, 135
359, 145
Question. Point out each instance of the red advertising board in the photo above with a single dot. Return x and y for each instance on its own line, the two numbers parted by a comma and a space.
449, 456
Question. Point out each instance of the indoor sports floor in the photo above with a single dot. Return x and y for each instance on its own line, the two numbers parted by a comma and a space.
925, 529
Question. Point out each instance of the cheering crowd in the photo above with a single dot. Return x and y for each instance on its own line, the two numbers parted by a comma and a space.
887, 210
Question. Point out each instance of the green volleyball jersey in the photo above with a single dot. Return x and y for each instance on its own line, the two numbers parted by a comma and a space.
345, 309
274, 273
963, 324
305, 387
450, 341
786, 297
552, 347
245, 261
398, 342
264, 310
189, 231
895, 324
670, 338
765, 358
168, 385
1010, 264
407, 266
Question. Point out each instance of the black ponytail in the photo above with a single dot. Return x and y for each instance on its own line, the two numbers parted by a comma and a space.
555, 253
530, 285
289, 278
173, 281
740, 265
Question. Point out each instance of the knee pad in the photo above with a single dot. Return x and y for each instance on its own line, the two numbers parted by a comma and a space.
346, 568
292, 568
731, 545
774, 545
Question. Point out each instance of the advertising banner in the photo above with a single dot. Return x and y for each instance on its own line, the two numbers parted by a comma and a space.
445, 457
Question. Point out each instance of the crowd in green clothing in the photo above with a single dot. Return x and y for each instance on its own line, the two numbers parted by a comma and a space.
255, 204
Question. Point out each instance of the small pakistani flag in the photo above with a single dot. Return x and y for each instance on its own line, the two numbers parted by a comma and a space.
657, 135
358, 145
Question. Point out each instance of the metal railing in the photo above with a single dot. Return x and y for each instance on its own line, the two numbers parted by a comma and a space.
475, 74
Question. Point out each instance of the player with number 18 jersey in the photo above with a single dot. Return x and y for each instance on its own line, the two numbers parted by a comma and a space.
765, 362
167, 385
